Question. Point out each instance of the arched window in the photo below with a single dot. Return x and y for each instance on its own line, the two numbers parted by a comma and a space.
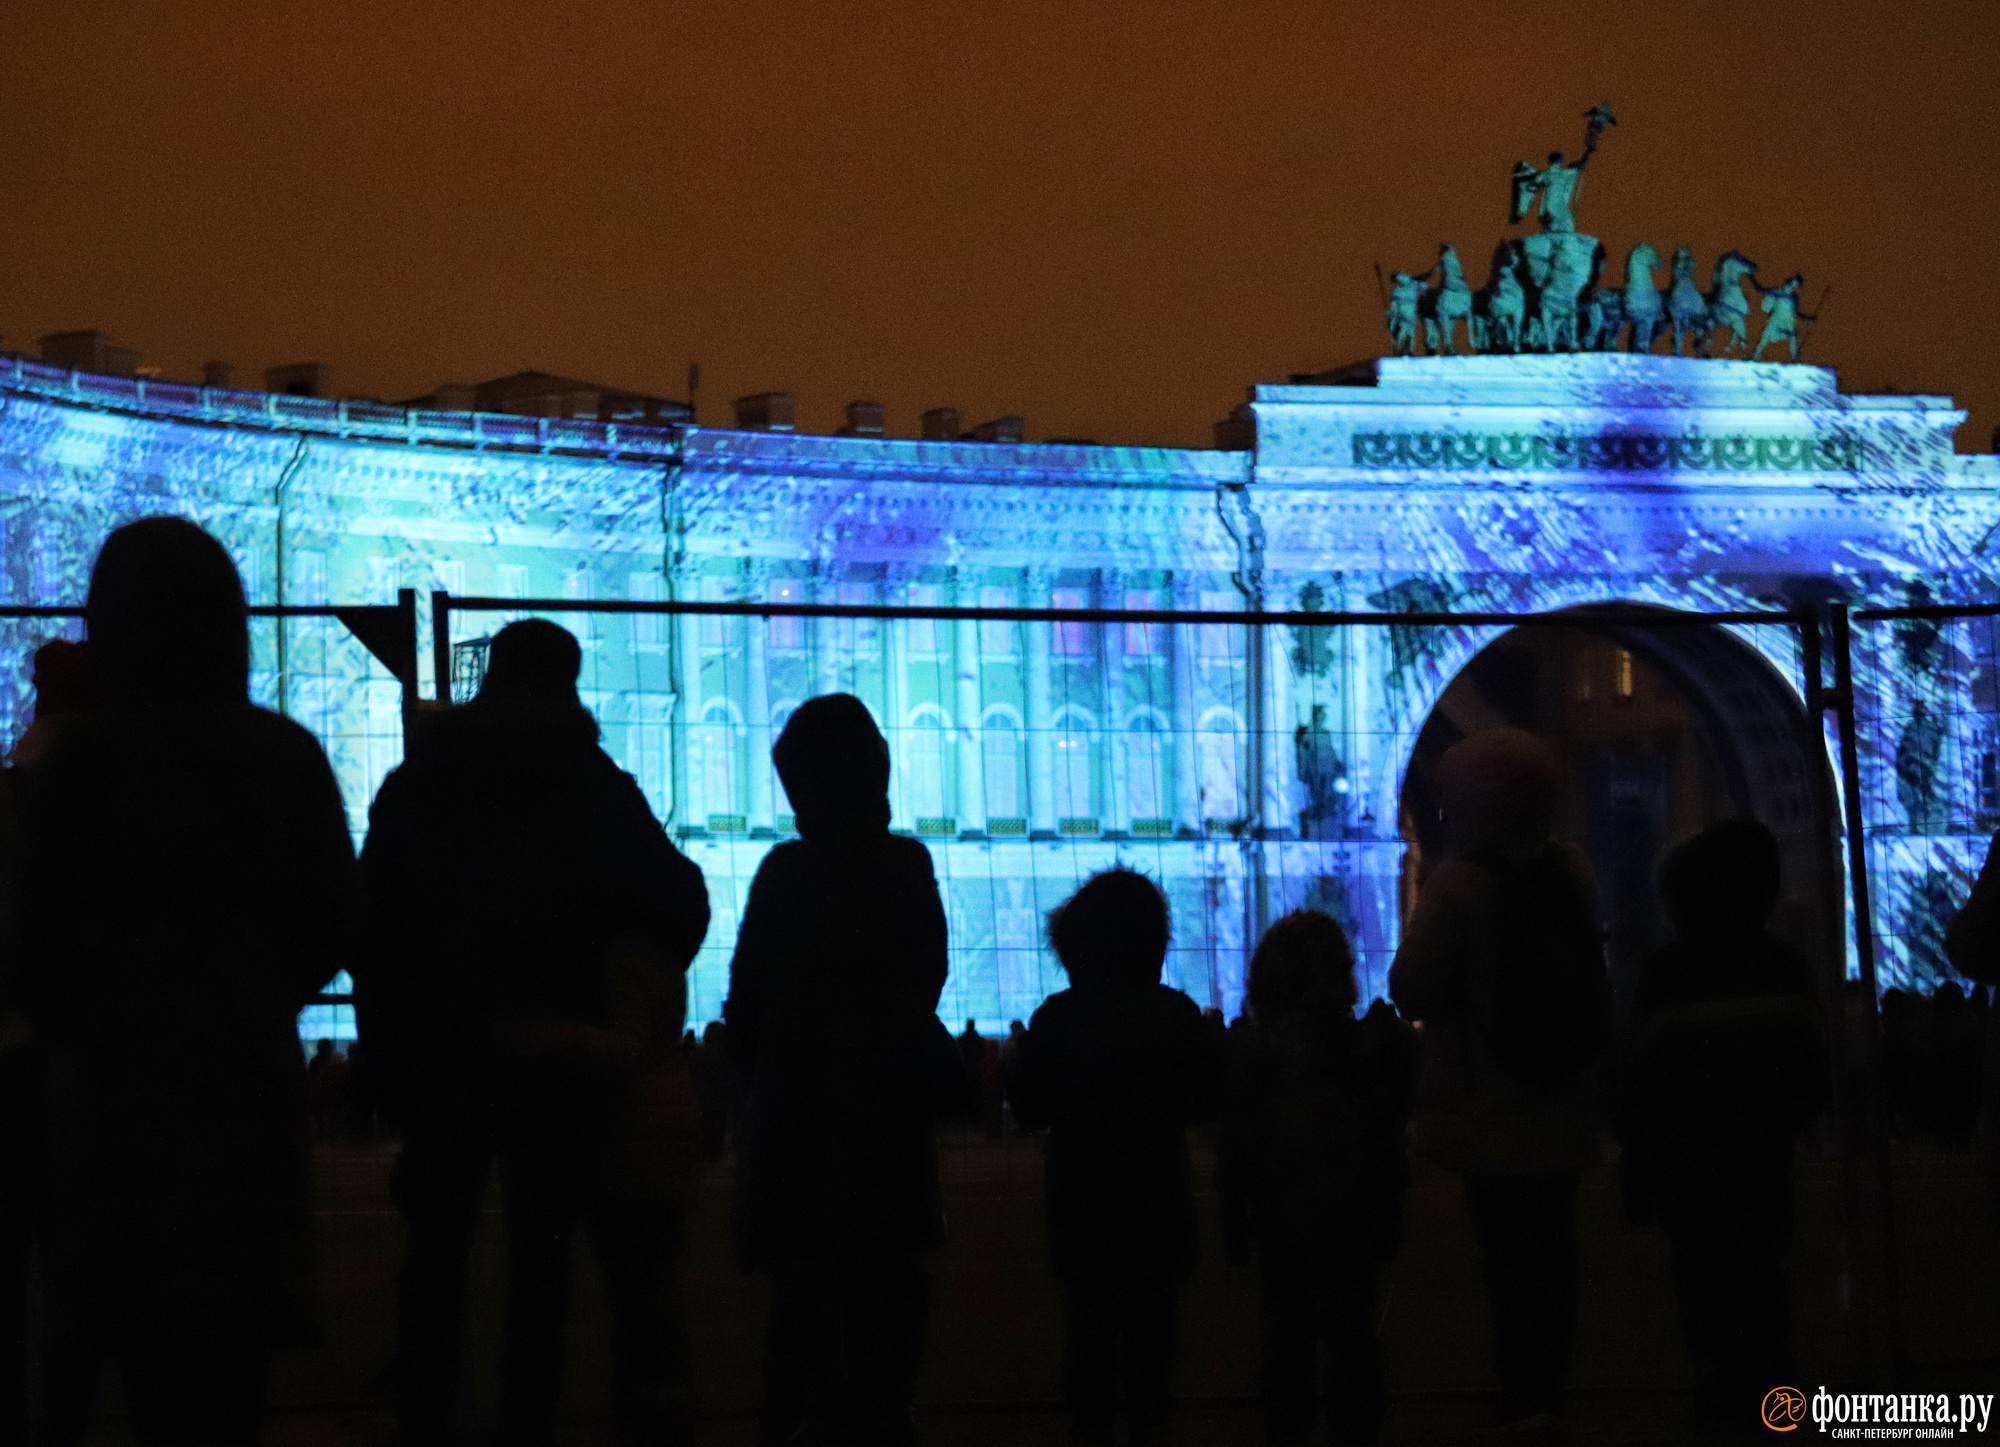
1075, 772
923, 764
1001, 745
1220, 748
1145, 768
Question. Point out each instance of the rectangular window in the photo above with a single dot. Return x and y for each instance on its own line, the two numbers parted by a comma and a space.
857, 635
996, 640
714, 628
307, 584
1624, 673
1144, 640
384, 576
511, 581
788, 633
578, 584
1220, 640
649, 630
926, 634
1072, 639
246, 560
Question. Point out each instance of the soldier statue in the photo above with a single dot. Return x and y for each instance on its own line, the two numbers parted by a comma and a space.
1782, 316
1405, 296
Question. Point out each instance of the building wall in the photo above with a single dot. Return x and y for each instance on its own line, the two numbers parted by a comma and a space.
1029, 755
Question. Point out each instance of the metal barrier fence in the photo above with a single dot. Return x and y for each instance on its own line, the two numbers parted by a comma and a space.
1253, 760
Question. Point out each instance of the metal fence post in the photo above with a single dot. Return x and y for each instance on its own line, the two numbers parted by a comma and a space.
441, 646
1875, 1101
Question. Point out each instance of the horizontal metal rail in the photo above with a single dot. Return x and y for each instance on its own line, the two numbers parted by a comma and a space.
261, 610
446, 603
1934, 611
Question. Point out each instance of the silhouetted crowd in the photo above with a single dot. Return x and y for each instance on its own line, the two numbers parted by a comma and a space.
180, 883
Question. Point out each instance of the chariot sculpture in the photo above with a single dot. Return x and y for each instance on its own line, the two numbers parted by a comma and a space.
1548, 291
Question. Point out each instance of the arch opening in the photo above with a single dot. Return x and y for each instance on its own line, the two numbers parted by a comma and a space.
1659, 731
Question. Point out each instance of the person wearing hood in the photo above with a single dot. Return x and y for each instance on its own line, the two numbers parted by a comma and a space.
525, 994
832, 1022
1724, 1069
1117, 1067
186, 884
1311, 1168
1502, 963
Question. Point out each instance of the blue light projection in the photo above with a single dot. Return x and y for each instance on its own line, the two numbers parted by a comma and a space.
1028, 755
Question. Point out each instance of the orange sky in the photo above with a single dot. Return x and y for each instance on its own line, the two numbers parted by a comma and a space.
1106, 215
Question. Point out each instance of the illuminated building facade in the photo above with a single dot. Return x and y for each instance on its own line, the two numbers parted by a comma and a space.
1030, 754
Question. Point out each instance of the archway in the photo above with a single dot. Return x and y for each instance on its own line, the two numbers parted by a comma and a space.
1660, 731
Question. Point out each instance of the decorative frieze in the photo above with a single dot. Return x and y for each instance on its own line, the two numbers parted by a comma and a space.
1838, 451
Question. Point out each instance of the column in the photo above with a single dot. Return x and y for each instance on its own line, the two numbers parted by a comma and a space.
1038, 658
970, 735
1116, 803
757, 706
895, 688
1186, 742
1281, 818
688, 793
826, 631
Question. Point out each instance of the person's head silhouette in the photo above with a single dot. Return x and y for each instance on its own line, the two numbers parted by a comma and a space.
1303, 957
834, 764
531, 661
166, 616
1723, 881
1498, 788
1112, 931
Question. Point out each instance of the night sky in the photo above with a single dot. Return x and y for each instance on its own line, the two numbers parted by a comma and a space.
1106, 215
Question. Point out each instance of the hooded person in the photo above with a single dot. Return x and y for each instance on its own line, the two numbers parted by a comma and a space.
186, 885
1118, 1066
1502, 961
1724, 1068
1312, 1165
526, 994
846, 1068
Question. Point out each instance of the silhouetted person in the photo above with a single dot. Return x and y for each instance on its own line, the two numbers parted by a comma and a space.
717, 1089
326, 1089
1724, 1069
23, 1168
1952, 1046
527, 987
1117, 1067
972, 1054
187, 884
1972, 943
1010, 1059
1503, 963
832, 1016
1312, 1168
64, 691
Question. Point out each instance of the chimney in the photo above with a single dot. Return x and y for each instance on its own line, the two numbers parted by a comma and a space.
765, 412
216, 374
298, 379
1238, 431
865, 419
941, 424
1001, 429
89, 352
